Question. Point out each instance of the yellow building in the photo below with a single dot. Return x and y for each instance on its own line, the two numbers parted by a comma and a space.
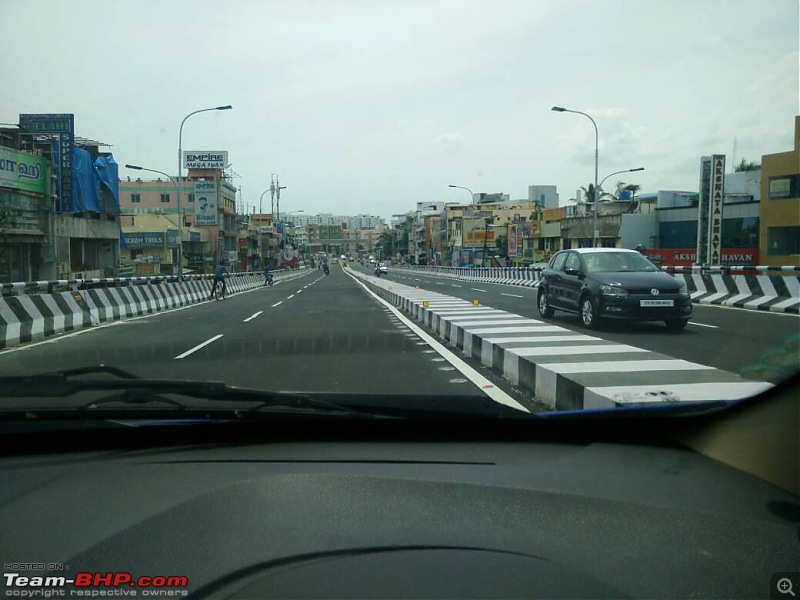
148, 245
780, 206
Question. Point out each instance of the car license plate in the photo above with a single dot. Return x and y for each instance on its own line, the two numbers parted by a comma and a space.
656, 303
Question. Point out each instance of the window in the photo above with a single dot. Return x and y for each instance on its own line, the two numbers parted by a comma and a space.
558, 261
573, 261
136, 198
165, 198
190, 200
784, 186
783, 241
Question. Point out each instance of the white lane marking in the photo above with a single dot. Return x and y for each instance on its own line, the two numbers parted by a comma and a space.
277, 304
512, 295
253, 316
196, 348
290, 297
478, 289
703, 325
454, 285
298, 291
486, 386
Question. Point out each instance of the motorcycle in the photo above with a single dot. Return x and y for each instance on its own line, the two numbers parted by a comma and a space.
326, 270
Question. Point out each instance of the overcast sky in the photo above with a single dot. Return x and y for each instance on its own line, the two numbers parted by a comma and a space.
370, 106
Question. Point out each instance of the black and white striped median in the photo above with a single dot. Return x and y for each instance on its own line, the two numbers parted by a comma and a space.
750, 288
564, 370
36, 312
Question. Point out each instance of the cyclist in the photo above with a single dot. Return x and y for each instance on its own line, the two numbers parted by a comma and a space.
219, 276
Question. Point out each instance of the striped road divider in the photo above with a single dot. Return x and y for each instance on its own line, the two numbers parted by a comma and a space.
564, 370
28, 312
753, 288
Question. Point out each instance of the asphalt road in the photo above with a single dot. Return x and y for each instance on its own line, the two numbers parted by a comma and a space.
314, 333
752, 343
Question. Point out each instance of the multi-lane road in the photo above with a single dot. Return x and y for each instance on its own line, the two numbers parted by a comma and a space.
315, 332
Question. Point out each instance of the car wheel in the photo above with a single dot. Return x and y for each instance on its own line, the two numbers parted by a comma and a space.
588, 313
676, 324
543, 304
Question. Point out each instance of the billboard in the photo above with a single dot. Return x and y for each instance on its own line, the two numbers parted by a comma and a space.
514, 240
23, 171
205, 203
686, 257
62, 128
206, 159
709, 222
554, 214
143, 239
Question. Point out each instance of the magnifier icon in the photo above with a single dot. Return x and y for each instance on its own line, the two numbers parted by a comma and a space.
785, 586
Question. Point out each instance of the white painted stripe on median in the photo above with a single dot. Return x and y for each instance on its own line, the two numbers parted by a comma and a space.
605, 397
521, 329
253, 316
627, 366
199, 346
569, 350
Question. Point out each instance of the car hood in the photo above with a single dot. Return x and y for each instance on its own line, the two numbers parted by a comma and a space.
638, 279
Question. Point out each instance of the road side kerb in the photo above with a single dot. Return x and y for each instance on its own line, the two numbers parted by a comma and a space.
564, 369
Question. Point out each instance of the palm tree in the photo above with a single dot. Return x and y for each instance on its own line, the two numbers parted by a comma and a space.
588, 192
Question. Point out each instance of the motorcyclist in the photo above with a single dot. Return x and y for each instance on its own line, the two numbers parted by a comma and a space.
267, 276
219, 276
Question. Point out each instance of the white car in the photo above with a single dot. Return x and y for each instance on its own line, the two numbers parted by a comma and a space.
383, 268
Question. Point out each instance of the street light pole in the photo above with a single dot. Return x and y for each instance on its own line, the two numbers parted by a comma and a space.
595, 233
180, 166
461, 187
618, 172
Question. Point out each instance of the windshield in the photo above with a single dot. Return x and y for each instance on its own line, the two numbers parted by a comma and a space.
617, 261
361, 199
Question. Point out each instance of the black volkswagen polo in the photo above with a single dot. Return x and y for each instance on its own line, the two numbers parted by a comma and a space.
615, 283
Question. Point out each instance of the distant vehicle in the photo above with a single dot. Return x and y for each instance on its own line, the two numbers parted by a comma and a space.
382, 268
613, 283
343, 257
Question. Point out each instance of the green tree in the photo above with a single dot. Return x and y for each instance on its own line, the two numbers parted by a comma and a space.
746, 166
588, 193
501, 243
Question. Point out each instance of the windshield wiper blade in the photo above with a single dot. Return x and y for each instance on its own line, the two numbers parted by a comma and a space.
138, 391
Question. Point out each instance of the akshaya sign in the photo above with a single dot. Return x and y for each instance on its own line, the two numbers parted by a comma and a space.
211, 159
685, 257
23, 171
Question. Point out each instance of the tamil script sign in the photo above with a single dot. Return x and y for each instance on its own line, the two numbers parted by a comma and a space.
205, 203
23, 171
193, 159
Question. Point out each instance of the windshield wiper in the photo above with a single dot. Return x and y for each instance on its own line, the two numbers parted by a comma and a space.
130, 389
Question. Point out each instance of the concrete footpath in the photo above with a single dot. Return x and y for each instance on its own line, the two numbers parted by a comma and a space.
563, 369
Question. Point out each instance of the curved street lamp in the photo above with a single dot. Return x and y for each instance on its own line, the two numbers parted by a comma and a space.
180, 166
461, 187
595, 233
617, 173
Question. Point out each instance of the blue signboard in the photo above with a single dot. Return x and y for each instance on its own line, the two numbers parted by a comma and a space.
194, 236
61, 126
172, 238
